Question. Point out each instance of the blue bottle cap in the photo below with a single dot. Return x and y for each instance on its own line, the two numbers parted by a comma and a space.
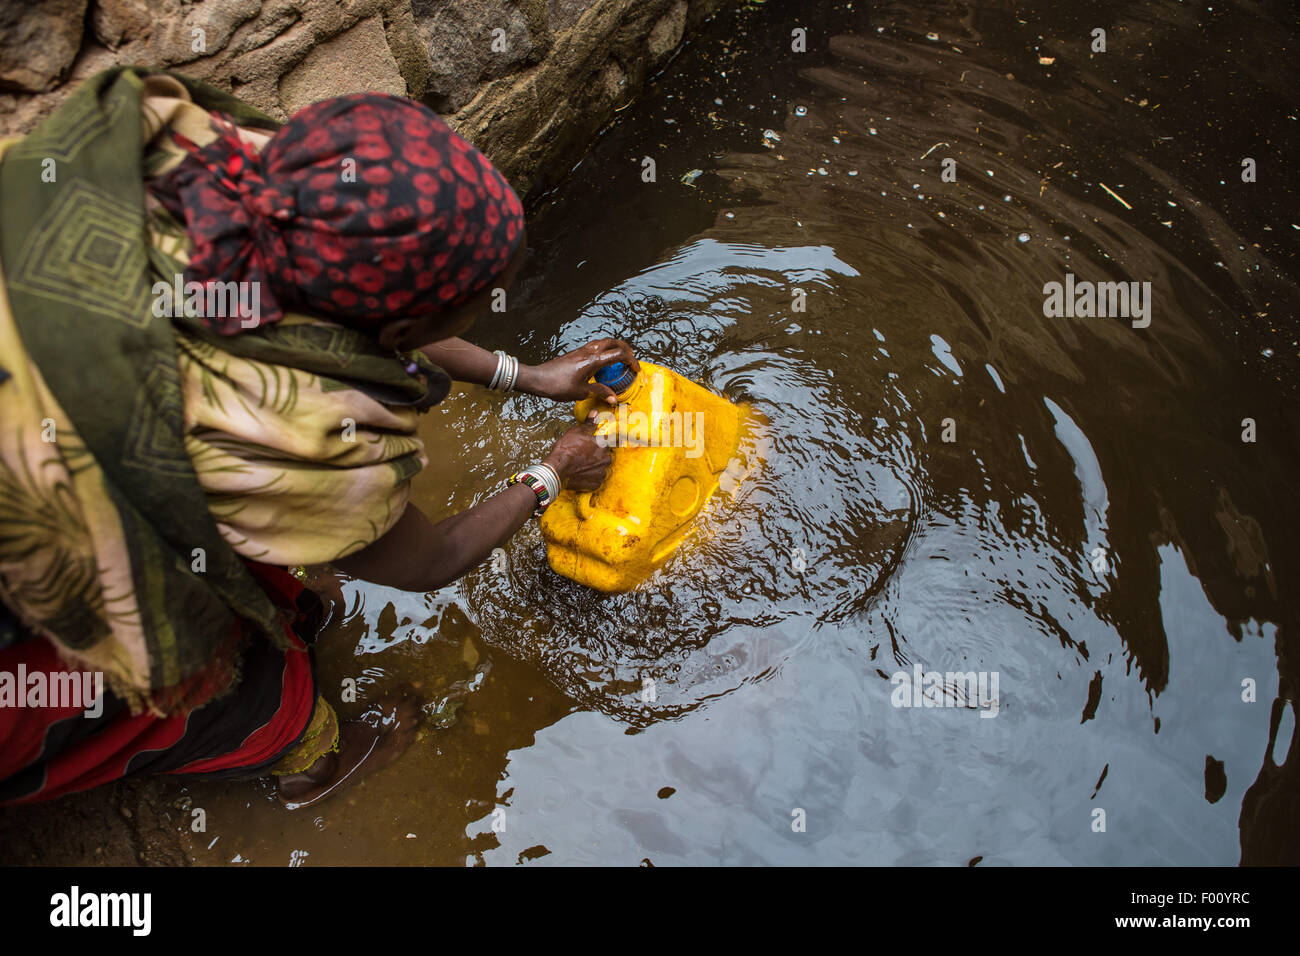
618, 376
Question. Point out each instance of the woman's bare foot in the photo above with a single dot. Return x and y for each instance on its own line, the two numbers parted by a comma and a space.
375, 739
328, 586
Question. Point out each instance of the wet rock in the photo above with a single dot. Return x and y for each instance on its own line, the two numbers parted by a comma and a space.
39, 39
667, 31
358, 59
615, 80
563, 14
1216, 780
408, 50
204, 30
536, 122
559, 69
468, 42
116, 21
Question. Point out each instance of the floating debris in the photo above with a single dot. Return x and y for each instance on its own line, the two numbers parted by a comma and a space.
1046, 60
1116, 196
933, 148
689, 178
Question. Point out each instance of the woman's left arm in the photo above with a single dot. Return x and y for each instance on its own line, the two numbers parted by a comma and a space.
563, 379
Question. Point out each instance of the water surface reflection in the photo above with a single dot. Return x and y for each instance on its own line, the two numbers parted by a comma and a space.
947, 479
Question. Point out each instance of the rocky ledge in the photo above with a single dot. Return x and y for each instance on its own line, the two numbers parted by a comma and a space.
529, 82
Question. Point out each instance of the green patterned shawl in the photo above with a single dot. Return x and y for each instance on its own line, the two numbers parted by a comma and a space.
78, 273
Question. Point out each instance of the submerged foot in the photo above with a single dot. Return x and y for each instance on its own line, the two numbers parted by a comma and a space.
375, 739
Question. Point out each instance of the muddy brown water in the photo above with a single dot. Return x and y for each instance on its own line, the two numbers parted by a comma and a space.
950, 480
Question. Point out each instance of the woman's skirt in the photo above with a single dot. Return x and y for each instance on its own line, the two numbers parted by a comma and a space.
273, 718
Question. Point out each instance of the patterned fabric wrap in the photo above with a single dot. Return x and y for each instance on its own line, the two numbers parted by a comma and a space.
273, 716
361, 208
142, 455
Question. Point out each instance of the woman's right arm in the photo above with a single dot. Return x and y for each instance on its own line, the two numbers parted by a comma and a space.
417, 555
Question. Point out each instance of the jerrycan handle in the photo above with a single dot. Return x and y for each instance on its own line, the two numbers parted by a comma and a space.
585, 510
618, 377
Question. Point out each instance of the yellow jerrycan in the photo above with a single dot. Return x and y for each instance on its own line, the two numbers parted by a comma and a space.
672, 439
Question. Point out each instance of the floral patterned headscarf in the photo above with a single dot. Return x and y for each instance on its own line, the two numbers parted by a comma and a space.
362, 208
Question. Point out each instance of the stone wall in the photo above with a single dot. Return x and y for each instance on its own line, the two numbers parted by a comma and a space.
529, 82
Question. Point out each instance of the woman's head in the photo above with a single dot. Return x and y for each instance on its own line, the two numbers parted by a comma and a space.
408, 331
366, 209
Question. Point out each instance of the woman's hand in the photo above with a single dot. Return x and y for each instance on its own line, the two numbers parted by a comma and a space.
579, 458
565, 378
416, 555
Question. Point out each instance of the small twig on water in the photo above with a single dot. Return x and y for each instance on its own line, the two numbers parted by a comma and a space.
1118, 199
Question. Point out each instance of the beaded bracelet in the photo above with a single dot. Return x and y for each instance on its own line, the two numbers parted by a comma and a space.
542, 481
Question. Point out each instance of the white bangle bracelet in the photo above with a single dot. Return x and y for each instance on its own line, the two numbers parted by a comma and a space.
507, 372
551, 477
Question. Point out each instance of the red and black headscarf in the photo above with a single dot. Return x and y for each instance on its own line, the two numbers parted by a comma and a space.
362, 208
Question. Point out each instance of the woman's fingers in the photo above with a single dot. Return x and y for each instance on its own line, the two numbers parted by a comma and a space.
585, 483
569, 376
603, 352
596, 390
579, 458
615, 350
628, 356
